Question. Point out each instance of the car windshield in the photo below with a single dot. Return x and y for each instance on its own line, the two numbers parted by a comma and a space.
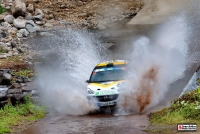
108, 74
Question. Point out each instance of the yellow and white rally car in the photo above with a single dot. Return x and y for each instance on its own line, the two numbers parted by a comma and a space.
105, 82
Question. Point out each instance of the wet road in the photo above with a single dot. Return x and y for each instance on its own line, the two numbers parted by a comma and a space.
90, 124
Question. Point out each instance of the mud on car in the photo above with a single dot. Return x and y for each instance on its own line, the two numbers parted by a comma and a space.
105, 83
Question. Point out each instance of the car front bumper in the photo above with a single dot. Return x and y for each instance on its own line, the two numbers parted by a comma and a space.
105, 100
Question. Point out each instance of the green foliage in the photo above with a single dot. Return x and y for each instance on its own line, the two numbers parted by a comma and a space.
182, 110
2, 10
14, 58
1, 50
17, 115
24, 73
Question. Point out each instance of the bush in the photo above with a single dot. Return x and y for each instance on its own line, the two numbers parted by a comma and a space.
181, 110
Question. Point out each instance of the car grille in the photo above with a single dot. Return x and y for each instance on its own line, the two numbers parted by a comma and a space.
107, 98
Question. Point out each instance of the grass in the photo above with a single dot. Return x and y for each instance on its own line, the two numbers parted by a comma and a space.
1, 50
15, 117
2, 10
182, 110
24, 73
14, 58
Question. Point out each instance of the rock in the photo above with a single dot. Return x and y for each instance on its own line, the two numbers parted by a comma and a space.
6, 79
9, 1
39, 22
30, 22
38, 17
29, 17
31, 26
2, 44
19, 35
34, 93
8, 44
9, 19
4, 48
3, 91
2, 16
50, 16
12, 32
45, 34
15, 85
20, 17
2, 35
3, 5
82, 15
3, 56
38, 12
15, 50
8, 7
23, 32
20, 79
19, 23
18, 8
48, 25
26, 90
6, 25
7, 76
18, 96
14, 91
27, 79
36, 1
9, 54
22, 84
29, 58
20, 50
5, 70
13, 44
62, 6
16, 53
30, 8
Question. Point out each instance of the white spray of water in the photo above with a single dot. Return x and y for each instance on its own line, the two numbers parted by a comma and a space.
62, 81
155, 63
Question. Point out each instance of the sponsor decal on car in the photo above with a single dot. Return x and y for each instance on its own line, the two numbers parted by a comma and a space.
105, 93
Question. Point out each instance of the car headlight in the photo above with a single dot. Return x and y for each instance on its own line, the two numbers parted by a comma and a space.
120, 85
89, 91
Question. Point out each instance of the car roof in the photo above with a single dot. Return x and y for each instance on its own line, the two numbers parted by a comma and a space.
114, 62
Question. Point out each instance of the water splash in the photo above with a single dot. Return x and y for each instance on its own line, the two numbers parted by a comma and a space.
155, 63
66, 65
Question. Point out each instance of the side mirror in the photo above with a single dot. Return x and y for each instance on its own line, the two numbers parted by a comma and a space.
87, 81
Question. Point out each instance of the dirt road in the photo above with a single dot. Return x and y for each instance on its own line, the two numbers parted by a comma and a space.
97, 123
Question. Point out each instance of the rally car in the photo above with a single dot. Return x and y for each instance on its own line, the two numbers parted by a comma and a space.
105, 83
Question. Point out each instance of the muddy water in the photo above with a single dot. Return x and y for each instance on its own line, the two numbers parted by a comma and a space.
90, 124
